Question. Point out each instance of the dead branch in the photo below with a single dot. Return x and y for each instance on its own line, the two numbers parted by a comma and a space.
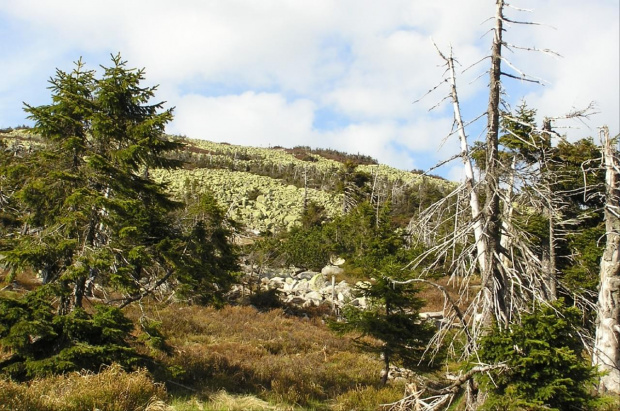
439, 398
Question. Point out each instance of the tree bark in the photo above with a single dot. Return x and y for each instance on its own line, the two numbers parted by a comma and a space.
606, 346
386, 365
470, 181
78, 291
493, 282
549, 257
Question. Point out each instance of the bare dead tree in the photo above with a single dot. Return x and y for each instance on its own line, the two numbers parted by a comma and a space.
490, 249
607, 340
470, 181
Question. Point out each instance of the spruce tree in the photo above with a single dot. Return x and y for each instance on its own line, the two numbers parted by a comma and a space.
392, 317
91, 211
545, 366
89, 214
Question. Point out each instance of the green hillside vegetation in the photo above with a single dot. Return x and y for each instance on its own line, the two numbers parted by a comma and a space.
266, 188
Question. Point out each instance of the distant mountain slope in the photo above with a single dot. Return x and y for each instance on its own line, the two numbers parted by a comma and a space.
259, 202
264, 188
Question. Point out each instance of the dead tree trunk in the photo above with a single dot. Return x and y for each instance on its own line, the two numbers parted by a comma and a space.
493, 282
549, 255
606, 346
470, 181
506, 239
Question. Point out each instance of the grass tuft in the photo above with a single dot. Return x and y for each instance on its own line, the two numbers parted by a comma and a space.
110, 390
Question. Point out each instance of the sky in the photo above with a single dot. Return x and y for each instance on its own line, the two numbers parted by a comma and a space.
351, 75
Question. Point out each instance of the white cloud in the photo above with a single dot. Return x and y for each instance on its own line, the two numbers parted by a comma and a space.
372, 139
261, 72
257, 119
589, 68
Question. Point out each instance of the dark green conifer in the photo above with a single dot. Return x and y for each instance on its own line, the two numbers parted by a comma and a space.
392, 317
89, 213
545, 366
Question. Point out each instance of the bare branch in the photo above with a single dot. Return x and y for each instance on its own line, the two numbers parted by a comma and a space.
524, 76
530, 23
545, 51
128, 300
430, 91
521, 78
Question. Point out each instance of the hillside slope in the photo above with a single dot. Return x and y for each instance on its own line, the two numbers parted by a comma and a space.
265, 189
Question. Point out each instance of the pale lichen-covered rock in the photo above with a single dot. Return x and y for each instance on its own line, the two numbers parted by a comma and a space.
231, 190
317, 282
315, 297
432, 315
302, 285
359, 302
295, 300
331, 270
306, 275
363, 284
277, 280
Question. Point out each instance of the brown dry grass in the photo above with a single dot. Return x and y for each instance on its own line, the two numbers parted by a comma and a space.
278, 358
261, 360
434, 298
111, 390
23, 281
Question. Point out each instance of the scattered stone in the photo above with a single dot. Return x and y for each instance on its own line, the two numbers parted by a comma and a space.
432, 315
331, 270
302, 286
306, 275
363, 284
295, 300
317, 282
337, 261
313, 295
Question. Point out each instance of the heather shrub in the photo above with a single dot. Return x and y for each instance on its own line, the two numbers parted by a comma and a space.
265, 300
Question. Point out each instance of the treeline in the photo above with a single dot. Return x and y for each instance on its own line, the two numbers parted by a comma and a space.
302, 152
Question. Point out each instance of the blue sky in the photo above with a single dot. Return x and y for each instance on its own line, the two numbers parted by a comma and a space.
341, 74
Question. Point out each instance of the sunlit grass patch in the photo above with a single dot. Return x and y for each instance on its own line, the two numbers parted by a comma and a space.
368, 398
272, 356
112, 390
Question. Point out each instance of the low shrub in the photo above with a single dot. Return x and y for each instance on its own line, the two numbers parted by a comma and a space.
265, 300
